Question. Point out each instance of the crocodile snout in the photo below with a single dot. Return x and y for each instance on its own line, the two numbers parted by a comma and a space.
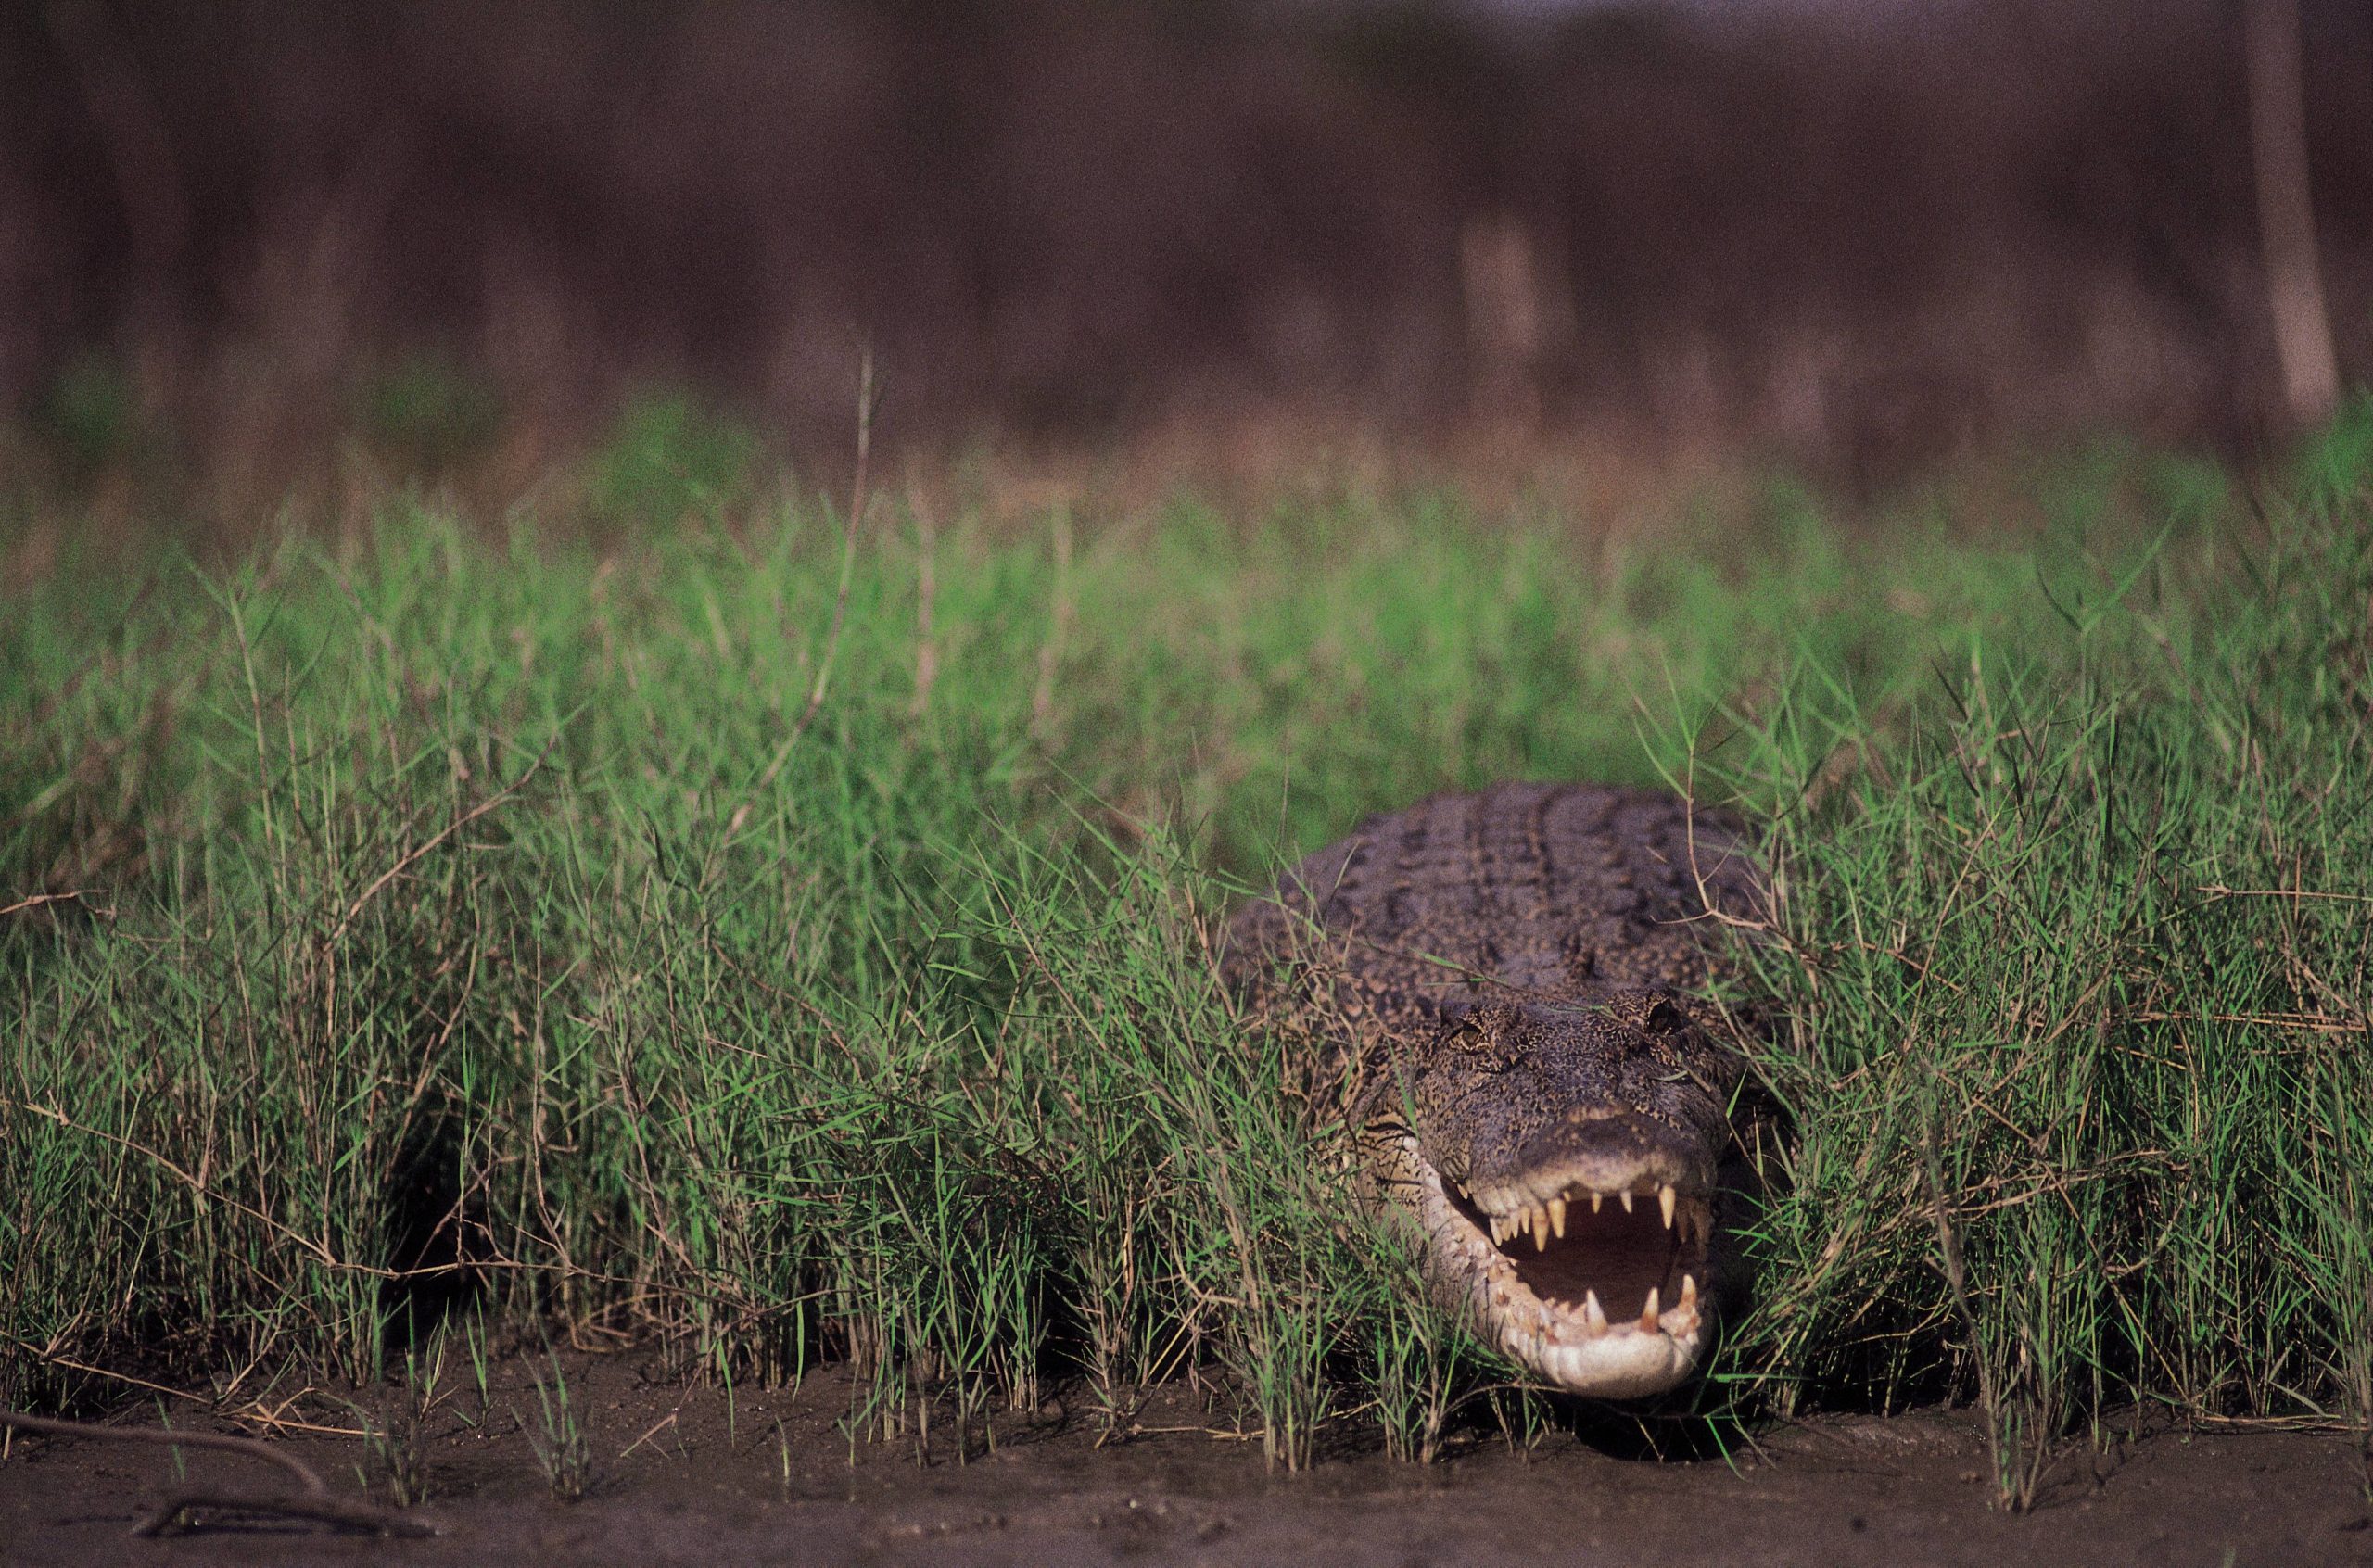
1608, 1149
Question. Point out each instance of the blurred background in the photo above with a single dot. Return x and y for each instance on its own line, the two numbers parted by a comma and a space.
267, 252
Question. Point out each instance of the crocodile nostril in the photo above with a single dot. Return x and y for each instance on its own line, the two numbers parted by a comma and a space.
1614, 1142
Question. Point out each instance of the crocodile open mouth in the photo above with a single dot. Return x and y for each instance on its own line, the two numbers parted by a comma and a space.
1615, 1256
1597, 1289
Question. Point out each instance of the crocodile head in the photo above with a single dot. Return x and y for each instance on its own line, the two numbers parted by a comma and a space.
1563, 1160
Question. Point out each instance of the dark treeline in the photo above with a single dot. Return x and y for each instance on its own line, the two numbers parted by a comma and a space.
1853, 239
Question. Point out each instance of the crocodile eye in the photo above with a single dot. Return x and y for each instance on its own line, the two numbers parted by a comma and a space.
1666, 1019
1464, 1033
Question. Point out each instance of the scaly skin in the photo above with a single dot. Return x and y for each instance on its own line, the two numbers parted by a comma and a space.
1509, 993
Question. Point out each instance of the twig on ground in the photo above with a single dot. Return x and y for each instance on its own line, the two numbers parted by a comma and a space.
50, 1427
169, 1517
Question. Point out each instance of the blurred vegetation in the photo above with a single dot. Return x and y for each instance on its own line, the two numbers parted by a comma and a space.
89, 420
666, 459
1861, 240
427, 414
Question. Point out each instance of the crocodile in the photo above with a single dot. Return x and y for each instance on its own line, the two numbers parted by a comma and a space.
1510, 995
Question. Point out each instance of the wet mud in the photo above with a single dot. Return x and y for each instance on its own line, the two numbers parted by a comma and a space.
684, 1475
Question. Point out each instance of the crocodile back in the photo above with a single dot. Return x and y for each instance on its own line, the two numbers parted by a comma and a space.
1523, 892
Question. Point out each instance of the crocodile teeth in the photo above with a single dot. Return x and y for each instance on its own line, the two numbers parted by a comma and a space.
1625, 1195
1594, 1315
1688, 1291
1539, 1221
1648, 1315
1596, 1198
1557, 1215
1666, 1198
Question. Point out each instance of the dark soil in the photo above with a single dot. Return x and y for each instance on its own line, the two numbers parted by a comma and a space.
687, 1476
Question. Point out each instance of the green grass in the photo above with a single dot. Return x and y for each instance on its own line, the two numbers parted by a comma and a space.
459, 926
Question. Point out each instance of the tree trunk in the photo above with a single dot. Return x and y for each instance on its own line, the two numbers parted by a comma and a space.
2294, 278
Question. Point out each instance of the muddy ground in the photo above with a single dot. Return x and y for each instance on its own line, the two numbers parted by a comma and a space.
679, 1477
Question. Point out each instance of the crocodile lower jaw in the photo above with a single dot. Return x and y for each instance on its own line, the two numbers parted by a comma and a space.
1538, 1293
